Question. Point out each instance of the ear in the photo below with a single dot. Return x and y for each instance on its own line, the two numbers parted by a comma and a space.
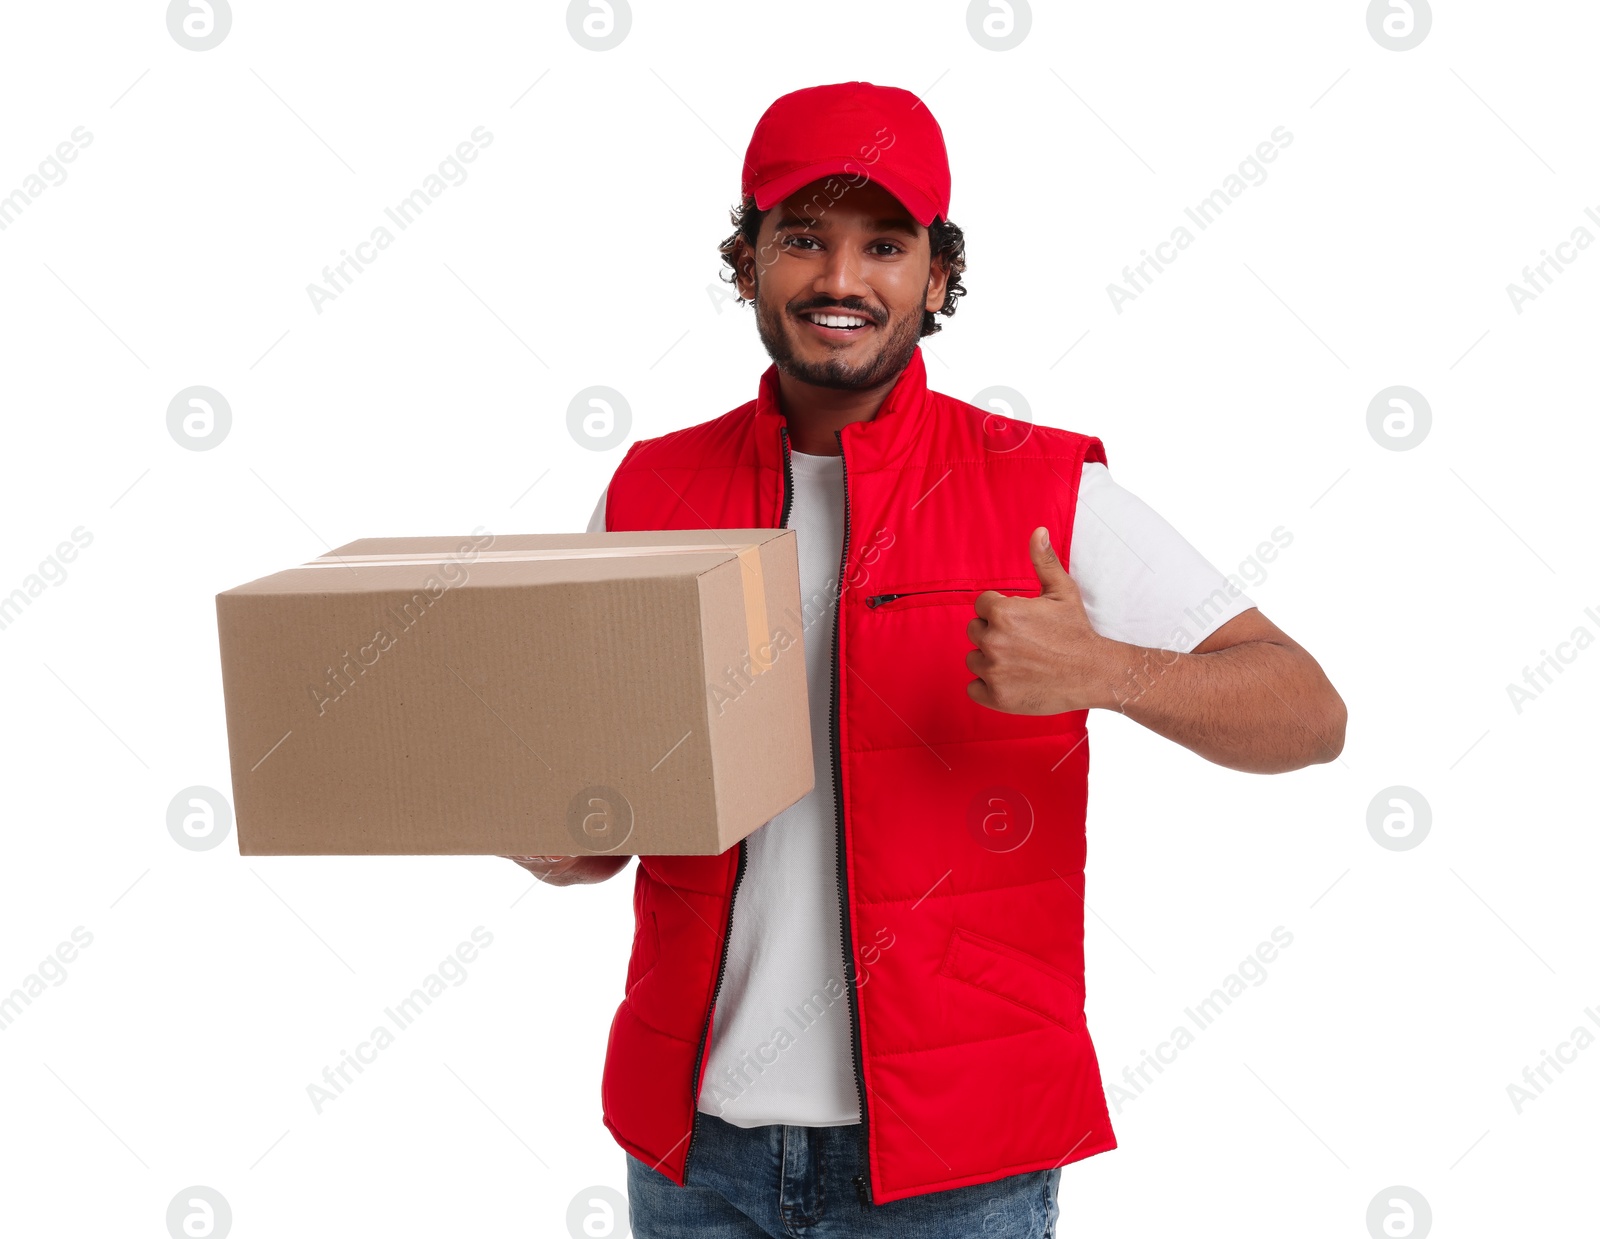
938, 282
744, 266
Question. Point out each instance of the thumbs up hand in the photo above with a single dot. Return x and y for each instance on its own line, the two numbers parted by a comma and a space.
1038, 655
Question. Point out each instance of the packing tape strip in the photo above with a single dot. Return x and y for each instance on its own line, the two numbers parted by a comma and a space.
380, 559
754, 584
755, 610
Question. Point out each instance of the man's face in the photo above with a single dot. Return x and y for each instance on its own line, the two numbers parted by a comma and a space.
858, 256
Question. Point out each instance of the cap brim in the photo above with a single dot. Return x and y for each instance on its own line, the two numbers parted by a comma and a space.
771, 192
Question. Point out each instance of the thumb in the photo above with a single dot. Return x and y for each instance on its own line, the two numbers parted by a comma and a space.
1051, 571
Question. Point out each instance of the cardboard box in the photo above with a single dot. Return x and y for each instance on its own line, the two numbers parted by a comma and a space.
557, 694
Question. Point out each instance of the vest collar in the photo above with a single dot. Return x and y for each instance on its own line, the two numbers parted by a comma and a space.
886, 436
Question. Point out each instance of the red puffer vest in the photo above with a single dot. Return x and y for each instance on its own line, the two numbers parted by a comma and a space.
961, 829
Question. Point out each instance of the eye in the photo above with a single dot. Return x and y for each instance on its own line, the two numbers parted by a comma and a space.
796, 242
890, 246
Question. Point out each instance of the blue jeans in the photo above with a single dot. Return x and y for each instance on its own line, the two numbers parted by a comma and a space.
787, 1182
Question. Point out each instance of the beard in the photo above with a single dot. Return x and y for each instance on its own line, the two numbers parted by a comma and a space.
774, 328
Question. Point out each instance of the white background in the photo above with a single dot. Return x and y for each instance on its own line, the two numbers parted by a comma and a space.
431, 396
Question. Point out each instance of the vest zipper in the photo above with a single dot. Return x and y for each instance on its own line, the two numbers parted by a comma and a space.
788, 479
722, 965
863, 1181
738, 873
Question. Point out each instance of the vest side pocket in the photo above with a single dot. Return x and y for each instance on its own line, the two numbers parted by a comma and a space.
646, 951
1006, 972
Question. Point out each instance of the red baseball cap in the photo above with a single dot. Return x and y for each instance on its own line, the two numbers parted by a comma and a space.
856, 129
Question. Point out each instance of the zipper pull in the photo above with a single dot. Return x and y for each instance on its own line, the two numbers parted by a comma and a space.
861, 1189
879, 599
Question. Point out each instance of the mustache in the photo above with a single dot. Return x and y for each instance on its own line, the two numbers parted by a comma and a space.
842, 307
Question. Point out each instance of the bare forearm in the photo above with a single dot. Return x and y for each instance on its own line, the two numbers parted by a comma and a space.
1258, 706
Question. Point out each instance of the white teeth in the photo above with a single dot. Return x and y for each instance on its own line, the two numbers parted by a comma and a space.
837, 320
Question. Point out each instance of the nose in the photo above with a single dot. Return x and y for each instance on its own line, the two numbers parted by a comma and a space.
840, 277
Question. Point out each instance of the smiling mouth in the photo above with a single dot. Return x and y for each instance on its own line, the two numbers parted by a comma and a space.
837, 324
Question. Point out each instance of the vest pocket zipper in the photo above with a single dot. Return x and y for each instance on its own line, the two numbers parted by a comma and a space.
873, 601
877, 600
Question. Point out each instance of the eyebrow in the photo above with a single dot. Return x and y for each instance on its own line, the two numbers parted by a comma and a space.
892, 224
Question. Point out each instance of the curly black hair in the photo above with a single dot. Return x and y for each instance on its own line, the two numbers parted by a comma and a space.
945, 240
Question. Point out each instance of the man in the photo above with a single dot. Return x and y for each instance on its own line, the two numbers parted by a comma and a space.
898, 1044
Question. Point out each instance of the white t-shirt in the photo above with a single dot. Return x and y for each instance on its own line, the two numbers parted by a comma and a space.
780, 1041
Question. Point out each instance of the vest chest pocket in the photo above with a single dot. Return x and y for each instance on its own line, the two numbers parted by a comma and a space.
907, 648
